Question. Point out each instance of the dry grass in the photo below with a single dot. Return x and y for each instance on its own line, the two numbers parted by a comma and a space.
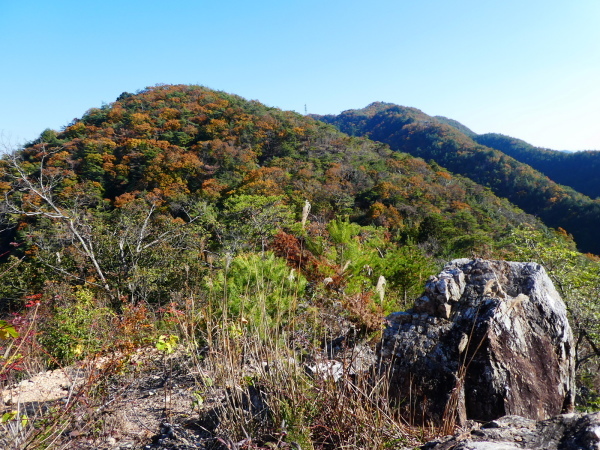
258, 393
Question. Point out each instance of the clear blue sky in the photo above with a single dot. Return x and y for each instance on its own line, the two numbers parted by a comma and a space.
526, 68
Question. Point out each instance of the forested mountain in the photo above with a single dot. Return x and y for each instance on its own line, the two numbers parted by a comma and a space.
579, 170
410, 130
221, 175
456, 124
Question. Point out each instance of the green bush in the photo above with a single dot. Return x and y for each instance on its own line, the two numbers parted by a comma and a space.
260, 290
76, 329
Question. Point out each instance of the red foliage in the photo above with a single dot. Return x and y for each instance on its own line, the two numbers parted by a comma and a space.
291, 249
364, 311
33, 300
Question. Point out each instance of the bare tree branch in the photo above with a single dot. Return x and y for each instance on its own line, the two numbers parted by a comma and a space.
41, 188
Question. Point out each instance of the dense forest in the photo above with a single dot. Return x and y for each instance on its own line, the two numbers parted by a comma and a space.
578, 170
227, 174
184, 214
443, 141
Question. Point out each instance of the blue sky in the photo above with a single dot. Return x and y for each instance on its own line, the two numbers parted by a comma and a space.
525, 68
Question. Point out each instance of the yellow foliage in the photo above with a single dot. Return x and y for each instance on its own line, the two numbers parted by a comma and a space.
169, 113
172, 124
139, 118
134, 143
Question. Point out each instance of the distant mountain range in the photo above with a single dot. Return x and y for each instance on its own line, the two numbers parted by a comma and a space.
580, 170
554, 185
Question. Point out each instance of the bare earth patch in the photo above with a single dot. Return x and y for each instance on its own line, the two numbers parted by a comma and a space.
143, 397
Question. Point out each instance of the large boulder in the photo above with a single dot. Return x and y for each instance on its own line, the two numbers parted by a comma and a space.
487, 339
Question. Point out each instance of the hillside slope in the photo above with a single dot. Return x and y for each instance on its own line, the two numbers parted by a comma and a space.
181, 141
177, 173
579, 170
220, 234
410, 130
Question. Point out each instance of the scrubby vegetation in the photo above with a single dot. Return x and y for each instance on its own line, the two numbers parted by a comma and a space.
254, 242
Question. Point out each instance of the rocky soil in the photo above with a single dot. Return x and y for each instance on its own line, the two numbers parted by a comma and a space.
152, 408
149, 405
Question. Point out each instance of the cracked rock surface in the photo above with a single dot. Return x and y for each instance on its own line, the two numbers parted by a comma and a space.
487, 339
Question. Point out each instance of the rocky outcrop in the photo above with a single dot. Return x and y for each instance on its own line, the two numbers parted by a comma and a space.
563, 432
487, 339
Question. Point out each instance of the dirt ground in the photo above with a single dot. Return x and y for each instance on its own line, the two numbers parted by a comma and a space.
147, 403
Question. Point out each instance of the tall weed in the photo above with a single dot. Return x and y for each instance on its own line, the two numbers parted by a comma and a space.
256, 389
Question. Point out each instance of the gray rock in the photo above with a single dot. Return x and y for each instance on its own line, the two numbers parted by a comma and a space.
326, 370
487, 339
562, 432
486, 446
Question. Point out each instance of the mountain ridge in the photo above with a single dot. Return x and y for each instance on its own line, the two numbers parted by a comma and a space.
577, 169
412, 131
182, 143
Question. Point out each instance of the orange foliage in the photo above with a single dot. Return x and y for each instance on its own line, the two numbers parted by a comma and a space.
212, 189
290, 248
264, 181
60, 159
386, 216
364, 311
387, 190
172, 124
459, 206
125, 199
116, 113
169, 113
